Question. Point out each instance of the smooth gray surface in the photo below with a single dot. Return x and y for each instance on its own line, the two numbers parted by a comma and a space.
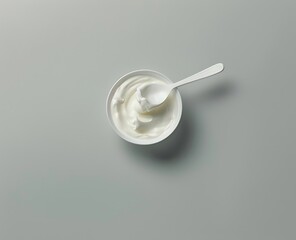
227, 173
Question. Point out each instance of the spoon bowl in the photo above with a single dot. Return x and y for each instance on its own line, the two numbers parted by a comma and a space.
150, 96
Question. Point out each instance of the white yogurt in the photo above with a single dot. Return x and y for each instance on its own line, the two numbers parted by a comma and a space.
129, 115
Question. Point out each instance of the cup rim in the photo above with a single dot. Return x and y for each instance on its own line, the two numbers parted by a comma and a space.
128, 138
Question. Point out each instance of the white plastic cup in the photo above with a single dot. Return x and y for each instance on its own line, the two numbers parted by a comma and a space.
135, 140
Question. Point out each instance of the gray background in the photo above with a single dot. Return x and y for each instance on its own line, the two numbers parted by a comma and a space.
228, 172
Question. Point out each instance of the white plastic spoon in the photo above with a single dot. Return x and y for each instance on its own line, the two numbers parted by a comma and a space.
152, 95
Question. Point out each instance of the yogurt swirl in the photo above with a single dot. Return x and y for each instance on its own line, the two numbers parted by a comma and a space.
129, 115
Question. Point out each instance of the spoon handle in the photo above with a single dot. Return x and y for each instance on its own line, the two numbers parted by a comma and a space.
200, 75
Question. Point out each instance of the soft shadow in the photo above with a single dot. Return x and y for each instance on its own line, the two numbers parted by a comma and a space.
222, 89
188, 135
175, 147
